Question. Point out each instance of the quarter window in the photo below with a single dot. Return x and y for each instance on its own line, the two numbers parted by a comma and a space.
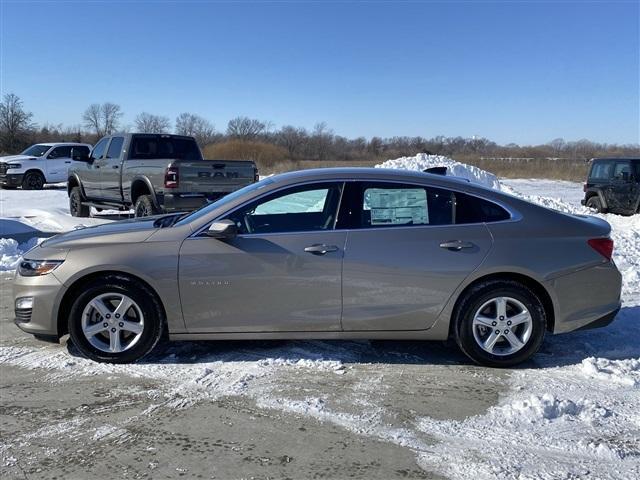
601, 171
470, 209
298, 209
620, 169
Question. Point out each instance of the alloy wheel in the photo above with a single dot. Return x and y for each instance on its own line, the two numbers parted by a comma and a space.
112, 322
502, 326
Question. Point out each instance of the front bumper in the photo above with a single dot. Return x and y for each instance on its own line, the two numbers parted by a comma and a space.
46, 290
11, 179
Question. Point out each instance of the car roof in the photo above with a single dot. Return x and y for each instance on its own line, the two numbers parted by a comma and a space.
364, 173
612, 159
61, 144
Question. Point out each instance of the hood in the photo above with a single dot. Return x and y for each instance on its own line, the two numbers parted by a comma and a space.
13, 158
124, 231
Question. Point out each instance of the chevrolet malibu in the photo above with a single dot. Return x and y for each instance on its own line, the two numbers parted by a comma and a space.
328, 254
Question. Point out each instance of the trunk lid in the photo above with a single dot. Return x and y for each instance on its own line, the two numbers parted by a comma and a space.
221, 176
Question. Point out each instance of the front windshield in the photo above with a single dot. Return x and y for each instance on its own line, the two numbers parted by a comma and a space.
224, 200
36, 150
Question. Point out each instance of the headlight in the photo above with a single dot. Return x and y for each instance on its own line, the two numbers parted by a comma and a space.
35, 268
13, 166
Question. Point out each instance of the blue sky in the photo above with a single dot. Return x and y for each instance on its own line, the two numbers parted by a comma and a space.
523, 72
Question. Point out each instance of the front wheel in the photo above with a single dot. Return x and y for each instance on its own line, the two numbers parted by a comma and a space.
116, 320
499, 323
33, 181
76, 208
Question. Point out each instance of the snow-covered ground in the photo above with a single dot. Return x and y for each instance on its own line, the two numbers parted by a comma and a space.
573, 412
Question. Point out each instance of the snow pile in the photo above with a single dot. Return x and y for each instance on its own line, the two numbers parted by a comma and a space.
624, 372
422, 161
548, 408
11, 252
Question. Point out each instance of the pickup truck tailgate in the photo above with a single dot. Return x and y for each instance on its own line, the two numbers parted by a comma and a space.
221, 176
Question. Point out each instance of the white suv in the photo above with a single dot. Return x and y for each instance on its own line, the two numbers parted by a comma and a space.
39, 164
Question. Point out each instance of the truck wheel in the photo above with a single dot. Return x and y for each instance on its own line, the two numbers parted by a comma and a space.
144, 207
33, 181
76, 208
595, 203
116, 320
499, 323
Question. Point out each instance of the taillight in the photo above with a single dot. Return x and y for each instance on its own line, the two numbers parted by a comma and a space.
171, 177
604, 246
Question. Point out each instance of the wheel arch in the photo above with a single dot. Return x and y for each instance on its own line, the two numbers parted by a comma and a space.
74, 181
142, 186
35, 170
596, 192
76, 287
529, 282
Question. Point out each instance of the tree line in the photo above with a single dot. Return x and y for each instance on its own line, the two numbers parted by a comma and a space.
247, 138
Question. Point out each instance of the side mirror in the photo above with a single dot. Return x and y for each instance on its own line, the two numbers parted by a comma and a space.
223, 229
79, 155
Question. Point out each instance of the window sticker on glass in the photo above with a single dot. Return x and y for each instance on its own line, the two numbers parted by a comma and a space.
401, 206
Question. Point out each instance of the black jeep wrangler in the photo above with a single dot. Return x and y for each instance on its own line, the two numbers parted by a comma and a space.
613, 186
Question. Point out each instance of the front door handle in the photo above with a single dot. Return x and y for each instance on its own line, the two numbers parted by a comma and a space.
115, 167
320, 249
456, 245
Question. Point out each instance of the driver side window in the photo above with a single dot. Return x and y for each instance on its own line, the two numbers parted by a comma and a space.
298, 209
98, 150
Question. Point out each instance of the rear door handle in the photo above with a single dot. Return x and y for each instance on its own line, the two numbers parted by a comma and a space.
115, 167
320, 249
68, 161
456, 245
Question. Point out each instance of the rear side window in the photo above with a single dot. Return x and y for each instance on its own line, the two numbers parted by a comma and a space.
375, 205
115, 147
601, 171
620, 169
470, 209
148, 147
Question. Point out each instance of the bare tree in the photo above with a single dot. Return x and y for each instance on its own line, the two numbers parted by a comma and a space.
321, 141
15, 123
292, 139
149, 123
195, 126
245, 128
102, 119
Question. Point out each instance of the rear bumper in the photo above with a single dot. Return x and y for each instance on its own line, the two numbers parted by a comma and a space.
182, 202
589, 298
11, 179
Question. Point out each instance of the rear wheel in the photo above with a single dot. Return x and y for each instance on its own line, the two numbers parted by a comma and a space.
116, 320
145, 207
595, 204
33, 181
76, 208
499, 323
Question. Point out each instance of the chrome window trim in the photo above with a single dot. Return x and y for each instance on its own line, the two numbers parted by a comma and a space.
515, 215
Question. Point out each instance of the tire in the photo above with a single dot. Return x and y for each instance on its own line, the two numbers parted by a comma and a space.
96, 342
595, 203
76, 208
145, 207
33, 181
477, 321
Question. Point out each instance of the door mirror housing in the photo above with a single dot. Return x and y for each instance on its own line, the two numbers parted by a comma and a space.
223, 229
80, 155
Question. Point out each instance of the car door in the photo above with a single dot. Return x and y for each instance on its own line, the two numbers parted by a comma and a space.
57, 163
110, 171
91, 173
621, 187
282, 272
404, 255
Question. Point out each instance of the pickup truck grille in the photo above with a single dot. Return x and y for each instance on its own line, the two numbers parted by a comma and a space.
3, 168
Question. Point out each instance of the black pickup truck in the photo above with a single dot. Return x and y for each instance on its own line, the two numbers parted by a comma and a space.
153, 173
